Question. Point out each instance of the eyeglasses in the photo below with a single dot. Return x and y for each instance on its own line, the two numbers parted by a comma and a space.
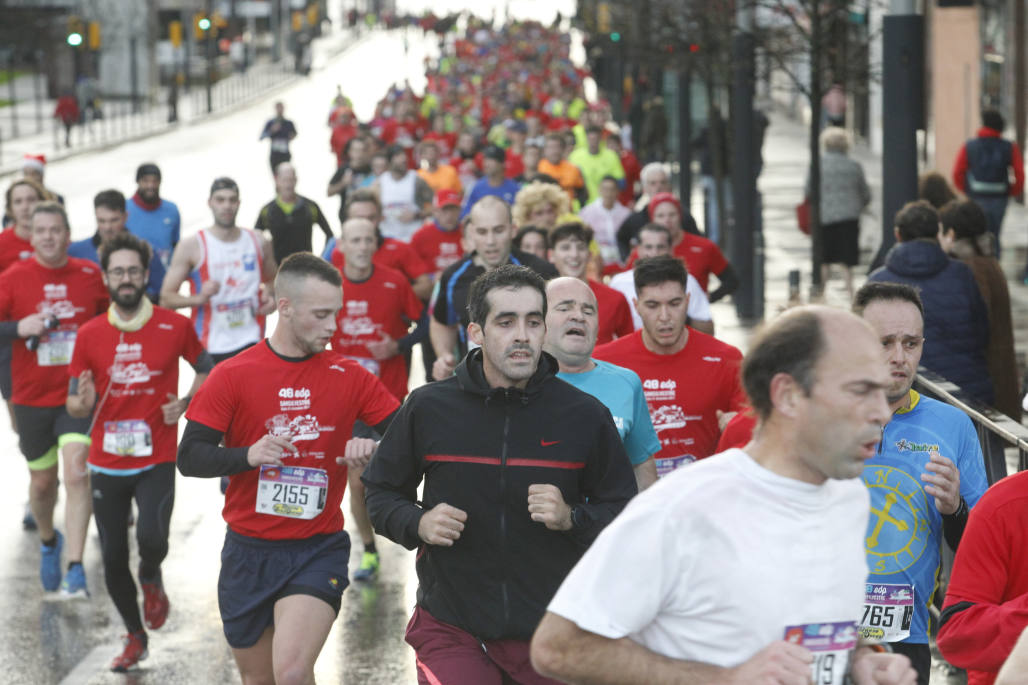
119, 273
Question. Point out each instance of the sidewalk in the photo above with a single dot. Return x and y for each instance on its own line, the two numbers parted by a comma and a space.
120, 124
786, 248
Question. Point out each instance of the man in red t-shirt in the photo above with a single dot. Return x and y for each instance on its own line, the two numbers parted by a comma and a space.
569, 252
438, 242
283, 411
130, 358
43, 302
688, 376
378, 308
391, 253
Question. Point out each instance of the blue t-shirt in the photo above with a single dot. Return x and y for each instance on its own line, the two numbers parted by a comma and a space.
505, 191
621, 392
904, 535
86, 249
159, 227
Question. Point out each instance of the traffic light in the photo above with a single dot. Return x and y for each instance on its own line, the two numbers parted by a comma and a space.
615, 37
297, 21
204, 24
175, 33
75, 31
94, 35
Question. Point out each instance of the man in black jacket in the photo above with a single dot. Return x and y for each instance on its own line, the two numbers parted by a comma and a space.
522, 471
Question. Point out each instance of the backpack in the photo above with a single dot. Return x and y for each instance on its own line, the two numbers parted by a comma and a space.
987, 162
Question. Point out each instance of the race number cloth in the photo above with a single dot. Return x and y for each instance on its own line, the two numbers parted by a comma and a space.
312, 402
831, 644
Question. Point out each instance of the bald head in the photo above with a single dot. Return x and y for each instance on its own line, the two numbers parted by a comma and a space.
490, 210
572, 321
285, 179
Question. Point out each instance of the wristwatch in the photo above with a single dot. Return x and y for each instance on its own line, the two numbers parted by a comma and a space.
579, 517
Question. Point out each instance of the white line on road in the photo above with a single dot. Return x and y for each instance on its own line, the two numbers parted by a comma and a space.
95, 661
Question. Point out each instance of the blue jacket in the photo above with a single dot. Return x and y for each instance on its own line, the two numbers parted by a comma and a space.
956, 325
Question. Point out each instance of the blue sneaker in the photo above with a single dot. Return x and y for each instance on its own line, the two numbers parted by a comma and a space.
50, 564
74, 583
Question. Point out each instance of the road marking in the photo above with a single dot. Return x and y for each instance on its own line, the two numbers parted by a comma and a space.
95, 661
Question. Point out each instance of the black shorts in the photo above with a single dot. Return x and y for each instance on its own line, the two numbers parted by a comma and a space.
43, 430
6, 384
257, 573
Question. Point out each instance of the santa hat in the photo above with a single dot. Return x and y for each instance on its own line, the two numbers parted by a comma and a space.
36, 162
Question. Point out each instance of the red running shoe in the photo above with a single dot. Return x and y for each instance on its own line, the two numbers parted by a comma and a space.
135, 651
155, 604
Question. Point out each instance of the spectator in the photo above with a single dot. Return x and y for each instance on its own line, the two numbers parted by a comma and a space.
956, 320
964, 230
711, 146
67, 112
983, 167
844, 195
933, 187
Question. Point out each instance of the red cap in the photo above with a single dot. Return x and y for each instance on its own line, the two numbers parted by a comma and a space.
446, 198
34, 161
661, 198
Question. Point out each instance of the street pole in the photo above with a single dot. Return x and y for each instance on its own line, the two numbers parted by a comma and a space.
903, 109
276, 34
743, 243
12, 94
685, 133
1019, 76
134, 74
209, 40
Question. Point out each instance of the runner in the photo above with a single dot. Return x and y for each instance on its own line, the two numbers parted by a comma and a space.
43, 302
378, 308
754, 560
404, 196
521, 472
569, 253
109, 210
280, 131
151, 217
289, 219
927, 474
571, 325
655, 241
229, 270
129, 359
392, 253
284, 410
488, 235
493, 183
596, 162
688, 376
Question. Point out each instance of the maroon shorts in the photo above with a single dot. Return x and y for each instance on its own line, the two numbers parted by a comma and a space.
446, 655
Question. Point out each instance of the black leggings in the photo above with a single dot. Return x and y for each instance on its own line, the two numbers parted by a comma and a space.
154, 491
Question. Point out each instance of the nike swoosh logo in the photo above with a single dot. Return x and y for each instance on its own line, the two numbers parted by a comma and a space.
547, 443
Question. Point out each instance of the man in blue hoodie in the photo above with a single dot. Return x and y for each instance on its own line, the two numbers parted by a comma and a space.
956, 322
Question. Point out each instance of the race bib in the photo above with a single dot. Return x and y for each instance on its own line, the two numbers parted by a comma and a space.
831, 644
371, 365
888, 610
666, 466
55, 348
130, 438
295, 492
233, 315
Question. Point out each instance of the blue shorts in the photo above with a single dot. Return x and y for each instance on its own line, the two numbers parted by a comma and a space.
257, 573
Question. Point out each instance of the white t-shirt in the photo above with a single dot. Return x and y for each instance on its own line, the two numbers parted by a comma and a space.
713, 562
699, 303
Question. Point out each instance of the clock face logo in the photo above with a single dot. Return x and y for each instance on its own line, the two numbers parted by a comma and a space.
897, 532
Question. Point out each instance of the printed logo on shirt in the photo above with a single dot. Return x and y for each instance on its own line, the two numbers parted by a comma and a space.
898, 530
165, 326
128, 352
657, 390
357, 327
904, 445
299, 428
129, 374
711, 359
668, 417
294, 399
356, 307
249, 262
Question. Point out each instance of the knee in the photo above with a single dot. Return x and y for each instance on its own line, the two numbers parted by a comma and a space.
43, 483
294, 672
75, 475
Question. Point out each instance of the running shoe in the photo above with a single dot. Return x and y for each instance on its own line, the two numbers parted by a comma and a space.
155, 604
368, 568
135, 651
74, 583
50, 564
28, 521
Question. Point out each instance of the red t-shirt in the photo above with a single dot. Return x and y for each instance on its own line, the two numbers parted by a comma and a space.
13, 248
313, 402
702, 257
614, 315
341, 135
738, 432
128, 427
437, 248
684, 391
392, 254
446, 142
74, 293
384, 303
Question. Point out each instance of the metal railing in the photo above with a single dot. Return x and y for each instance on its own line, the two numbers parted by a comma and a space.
996, 432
